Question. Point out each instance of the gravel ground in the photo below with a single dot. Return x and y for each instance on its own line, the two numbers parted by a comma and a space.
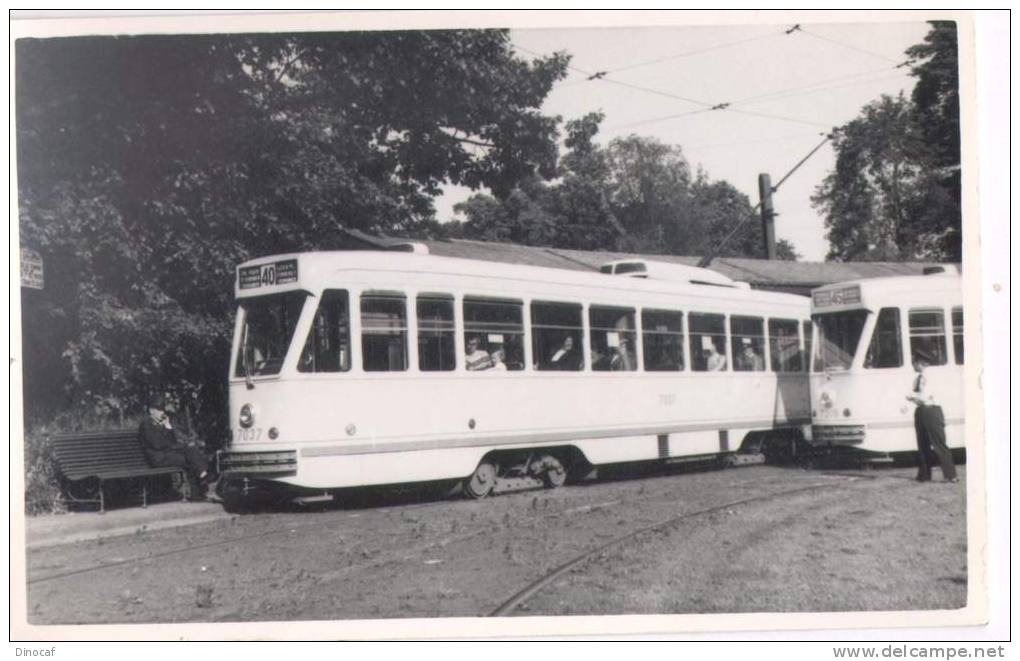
872, 540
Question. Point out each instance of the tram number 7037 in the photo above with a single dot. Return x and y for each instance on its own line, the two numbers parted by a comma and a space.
242, 435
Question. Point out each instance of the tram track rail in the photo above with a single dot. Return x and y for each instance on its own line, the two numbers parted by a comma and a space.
510, 604
294, 528
198, 547
531, 589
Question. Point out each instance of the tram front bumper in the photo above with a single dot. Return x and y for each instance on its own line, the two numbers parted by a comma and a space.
837, 434
275, 463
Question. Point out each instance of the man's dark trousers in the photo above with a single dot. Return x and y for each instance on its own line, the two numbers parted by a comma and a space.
930, 427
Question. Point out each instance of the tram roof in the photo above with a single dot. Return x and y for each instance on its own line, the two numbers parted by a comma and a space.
316, 265
793, 277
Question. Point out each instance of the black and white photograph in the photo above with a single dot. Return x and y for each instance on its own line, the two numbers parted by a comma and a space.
421, 324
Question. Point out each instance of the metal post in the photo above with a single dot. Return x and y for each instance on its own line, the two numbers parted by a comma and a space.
767, 214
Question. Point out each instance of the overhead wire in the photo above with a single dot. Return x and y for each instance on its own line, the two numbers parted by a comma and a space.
825, 89
848, 46
817, 83
706, 106
766, 115
785, 93
657, 119
696, 51
740, 143
675, 56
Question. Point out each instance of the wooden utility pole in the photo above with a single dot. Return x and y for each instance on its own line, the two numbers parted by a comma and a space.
767, 214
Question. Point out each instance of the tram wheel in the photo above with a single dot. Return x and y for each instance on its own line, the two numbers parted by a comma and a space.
482, 481
555, 474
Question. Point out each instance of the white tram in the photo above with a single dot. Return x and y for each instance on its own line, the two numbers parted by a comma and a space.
868, 335
362, 368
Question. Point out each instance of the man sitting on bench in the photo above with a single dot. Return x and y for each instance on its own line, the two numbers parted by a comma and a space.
161, 447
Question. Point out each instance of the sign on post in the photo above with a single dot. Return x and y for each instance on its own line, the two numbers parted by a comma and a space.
31, 269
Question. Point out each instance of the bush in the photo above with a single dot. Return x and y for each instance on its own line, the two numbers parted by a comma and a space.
42, 489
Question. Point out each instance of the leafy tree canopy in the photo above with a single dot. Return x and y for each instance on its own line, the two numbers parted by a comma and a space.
637, 194
895, 190
148, 167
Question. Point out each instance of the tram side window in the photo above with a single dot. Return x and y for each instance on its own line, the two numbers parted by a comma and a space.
808, 329
383, 333
784, 345
556, 335
958, 335
748, 338
708, 342
885, 349
662, 333
928, 336
436, 343
613, 339
494, 333
328, 346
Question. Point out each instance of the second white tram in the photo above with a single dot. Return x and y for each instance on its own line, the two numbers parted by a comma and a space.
868, 335
364, 368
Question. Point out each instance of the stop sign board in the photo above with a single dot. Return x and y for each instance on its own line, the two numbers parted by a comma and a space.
31, 269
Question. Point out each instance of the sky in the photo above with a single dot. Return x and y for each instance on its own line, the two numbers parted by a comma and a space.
806, 82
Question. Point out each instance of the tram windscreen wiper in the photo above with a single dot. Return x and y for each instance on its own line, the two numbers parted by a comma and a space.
245, 363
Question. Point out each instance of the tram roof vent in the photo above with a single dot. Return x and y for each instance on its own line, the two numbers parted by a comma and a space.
415, 247
642, 268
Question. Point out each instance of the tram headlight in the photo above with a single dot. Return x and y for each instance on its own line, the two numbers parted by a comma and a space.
846, 413
247, 416
827, 399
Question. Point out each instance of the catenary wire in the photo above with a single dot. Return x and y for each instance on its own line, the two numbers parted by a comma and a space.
848, 46
697, 51
791, 92
814, 85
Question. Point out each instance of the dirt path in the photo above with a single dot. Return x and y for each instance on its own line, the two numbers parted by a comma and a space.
853, 543
886, 543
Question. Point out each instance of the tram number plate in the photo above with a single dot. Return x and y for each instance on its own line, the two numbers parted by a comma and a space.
247, 435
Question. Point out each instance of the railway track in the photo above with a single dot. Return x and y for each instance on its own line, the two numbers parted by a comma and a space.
511, 604
235, 540
287, 530
198, 547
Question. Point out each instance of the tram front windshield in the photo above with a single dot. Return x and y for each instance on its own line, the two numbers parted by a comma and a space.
839, 333
269, 323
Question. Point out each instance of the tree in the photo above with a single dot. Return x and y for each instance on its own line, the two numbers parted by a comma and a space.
635, 195
895, 190
936, 95
149, 167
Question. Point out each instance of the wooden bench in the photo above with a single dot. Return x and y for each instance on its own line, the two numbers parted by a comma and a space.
106, 456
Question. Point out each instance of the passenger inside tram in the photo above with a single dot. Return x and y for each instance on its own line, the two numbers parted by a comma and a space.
498, 359
714, 361
566, 357
477, 359
749, 360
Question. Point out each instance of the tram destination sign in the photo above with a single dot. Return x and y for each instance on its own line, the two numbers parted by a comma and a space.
267, 275
845, 296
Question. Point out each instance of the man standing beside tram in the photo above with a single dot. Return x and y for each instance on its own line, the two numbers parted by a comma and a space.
930, 428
